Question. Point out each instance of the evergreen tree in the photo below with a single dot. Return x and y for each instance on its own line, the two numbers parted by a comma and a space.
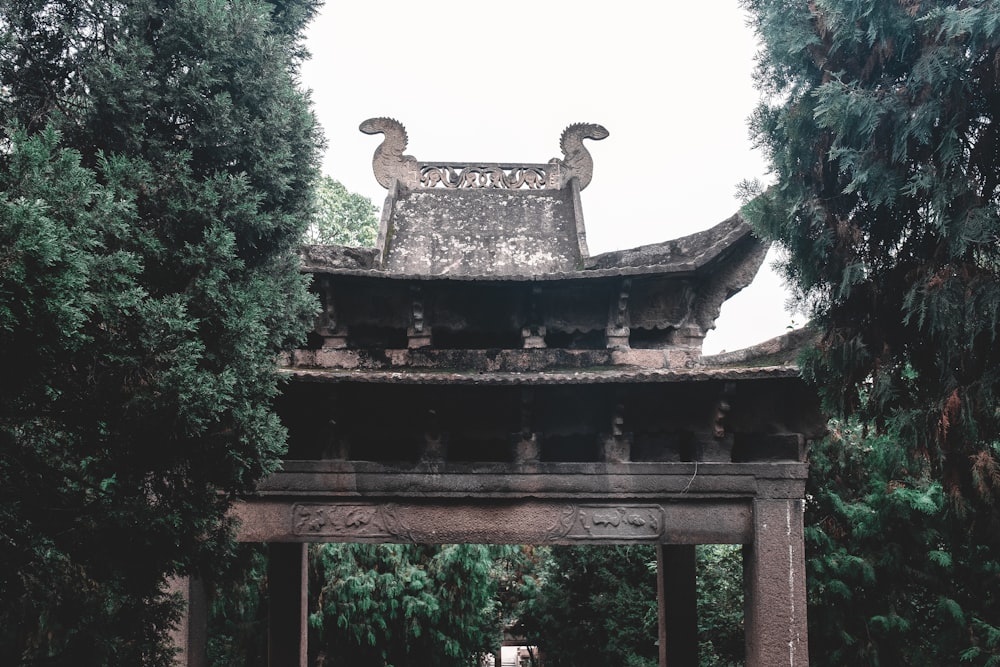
721, 638
894, 579
156, 167
595, 606
405, 605
237, 617
880, 122
882, 125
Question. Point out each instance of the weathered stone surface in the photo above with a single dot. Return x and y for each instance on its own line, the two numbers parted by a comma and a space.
335, 257
778, 351
485, 361
775, 583
483, 232
478, 219
694, 251
568, 376
574, 482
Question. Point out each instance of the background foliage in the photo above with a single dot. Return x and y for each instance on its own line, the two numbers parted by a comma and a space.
721, 641
342, 217
377, 605
595, 606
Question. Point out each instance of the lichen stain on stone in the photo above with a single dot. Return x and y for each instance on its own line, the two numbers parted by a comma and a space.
473, 233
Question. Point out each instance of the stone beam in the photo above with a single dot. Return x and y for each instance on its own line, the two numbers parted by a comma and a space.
515, 522
611, 481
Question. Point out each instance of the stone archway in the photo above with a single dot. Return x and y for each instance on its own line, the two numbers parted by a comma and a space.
478, 377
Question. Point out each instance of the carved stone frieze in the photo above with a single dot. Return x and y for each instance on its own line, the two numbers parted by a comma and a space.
610, 522
347, 521
485, 176
584, 523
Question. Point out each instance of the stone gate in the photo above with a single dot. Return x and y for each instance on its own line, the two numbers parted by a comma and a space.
478, 377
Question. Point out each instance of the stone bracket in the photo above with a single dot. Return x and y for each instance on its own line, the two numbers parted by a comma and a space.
618, 330
328, 326
418, 334
533, 332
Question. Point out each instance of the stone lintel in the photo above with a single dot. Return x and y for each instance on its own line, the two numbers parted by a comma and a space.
529, 521
541, 480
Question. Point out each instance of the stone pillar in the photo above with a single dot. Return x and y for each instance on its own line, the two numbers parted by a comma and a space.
190, 635
287, 590
774, 575
677, 599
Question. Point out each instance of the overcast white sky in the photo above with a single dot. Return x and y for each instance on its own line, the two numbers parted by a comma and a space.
498, 82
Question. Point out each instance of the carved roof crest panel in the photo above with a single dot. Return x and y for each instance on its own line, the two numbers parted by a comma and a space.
481, 218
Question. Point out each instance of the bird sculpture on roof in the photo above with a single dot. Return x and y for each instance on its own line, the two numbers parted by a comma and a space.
576, 161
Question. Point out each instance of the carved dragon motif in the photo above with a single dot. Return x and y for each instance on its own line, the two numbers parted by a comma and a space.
389, 162
576, 158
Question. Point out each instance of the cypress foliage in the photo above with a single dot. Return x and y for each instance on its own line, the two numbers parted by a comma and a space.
721, 639
595, 605
881, 125
406, 605
156, 167
895, 576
